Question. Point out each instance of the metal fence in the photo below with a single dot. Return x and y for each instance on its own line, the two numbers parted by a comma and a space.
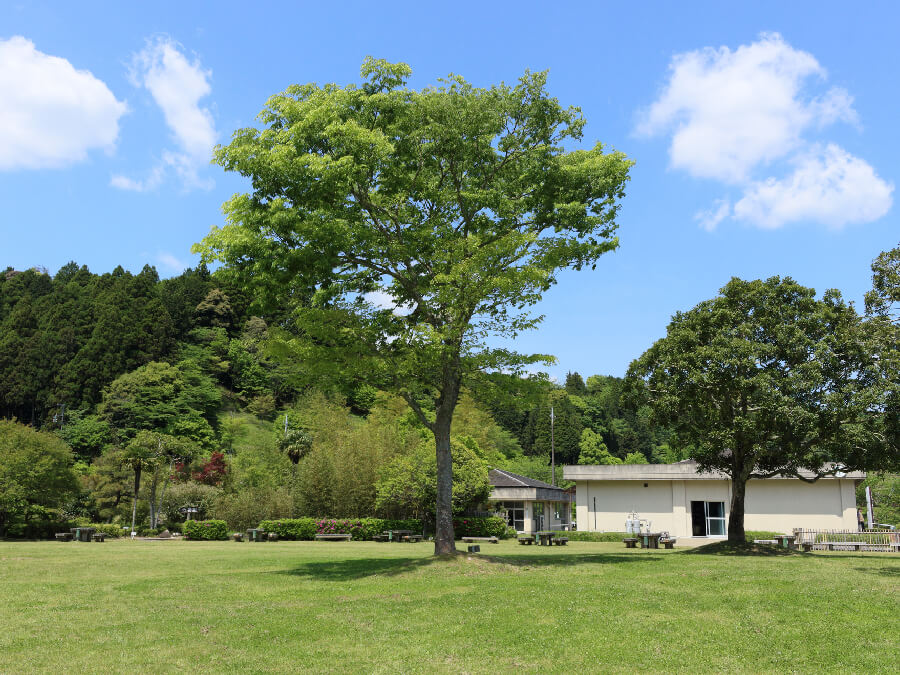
847, 540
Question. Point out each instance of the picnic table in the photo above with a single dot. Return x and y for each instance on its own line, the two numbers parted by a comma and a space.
397, 535
82, 533
650, 539
256, 534
545, 538
785, 540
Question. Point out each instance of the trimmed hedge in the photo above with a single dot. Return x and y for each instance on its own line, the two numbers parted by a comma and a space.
480, 526
205, 530
750, 535
362, 529
596, 536
291, 529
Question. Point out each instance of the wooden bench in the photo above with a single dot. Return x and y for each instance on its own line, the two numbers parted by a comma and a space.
630, 542
668, 543
527, 539
334, 537
561, 541
63, 536
472, 540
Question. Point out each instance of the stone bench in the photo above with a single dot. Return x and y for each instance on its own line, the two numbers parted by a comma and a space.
560, 541
630, 542
334, 537
64, 536
411, 538
855, 545
98, 536
668, 543
529, 540
472, 540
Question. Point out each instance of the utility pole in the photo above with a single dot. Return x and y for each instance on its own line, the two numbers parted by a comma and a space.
552, 451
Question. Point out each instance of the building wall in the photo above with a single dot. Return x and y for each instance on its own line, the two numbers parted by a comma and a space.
776, 505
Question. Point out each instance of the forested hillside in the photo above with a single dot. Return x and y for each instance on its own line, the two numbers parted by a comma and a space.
180, 388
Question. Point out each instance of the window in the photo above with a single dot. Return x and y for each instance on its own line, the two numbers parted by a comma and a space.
515, 515
708, 519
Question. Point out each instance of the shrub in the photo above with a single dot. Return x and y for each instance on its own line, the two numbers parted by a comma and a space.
249, 506
597, 536
750, 535
205, 530
362, 529
291, 529
480, 526
109, 529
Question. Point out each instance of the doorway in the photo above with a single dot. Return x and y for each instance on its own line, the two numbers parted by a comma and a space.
707, 519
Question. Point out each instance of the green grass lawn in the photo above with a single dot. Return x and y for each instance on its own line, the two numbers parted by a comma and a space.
152, 607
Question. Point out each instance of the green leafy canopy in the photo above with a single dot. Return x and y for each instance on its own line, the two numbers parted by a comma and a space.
413, 222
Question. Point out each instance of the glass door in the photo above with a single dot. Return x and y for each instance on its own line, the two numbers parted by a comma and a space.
537, 510
715, 519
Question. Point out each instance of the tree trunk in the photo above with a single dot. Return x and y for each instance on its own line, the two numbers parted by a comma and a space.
137, 486
736, 533
166, 479
443, 518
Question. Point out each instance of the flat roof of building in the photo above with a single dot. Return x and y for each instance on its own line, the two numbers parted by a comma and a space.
684, 470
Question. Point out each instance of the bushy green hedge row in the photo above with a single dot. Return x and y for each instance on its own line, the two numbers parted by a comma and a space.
596, 536
362, 529
750, 535
208, 530
480, 526
109, 529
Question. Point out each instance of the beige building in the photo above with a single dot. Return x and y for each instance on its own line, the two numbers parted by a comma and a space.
677, 499
531, 505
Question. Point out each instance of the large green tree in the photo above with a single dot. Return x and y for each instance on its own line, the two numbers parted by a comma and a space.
767, 380
35, 478
416, 226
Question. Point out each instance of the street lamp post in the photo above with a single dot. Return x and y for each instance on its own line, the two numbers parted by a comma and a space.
552, 451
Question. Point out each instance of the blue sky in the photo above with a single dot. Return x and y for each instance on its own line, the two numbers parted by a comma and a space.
764, 134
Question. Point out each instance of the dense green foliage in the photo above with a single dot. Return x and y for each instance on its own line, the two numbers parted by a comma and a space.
767, 380
885, 497
362, 529
35, 479
205, 530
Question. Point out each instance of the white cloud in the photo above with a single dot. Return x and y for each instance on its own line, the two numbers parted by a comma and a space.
51, 114
711, 218
732, 110
151, 182
177, 85
384, 300
170, 262
735, 116
828, 185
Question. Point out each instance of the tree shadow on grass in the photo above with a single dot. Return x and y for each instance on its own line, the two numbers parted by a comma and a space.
359, 568
881, 571
723, 548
